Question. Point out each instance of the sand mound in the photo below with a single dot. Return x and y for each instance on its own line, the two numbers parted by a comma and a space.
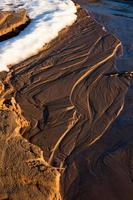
24, 174
11, 23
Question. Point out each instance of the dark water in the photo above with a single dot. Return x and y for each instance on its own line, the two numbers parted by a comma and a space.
117, 7
117, 17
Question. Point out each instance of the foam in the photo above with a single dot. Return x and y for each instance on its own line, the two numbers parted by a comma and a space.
48, 18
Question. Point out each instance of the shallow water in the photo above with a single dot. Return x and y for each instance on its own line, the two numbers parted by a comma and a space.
116, 7
117, 17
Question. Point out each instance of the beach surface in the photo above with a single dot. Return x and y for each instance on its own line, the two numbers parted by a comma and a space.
57, 109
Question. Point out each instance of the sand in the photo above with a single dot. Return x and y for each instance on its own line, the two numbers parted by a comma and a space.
11, 23
57, 109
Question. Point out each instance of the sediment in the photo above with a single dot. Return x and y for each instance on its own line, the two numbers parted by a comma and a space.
57, 108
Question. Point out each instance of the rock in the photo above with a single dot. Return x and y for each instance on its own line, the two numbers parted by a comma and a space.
11, 23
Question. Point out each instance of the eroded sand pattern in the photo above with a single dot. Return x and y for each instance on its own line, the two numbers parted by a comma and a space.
62, 101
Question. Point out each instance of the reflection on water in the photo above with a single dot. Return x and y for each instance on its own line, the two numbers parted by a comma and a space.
117, 17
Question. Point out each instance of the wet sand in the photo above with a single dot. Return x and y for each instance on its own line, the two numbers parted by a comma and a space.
63, 101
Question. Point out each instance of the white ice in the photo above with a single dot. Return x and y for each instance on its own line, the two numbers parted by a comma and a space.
48, 17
